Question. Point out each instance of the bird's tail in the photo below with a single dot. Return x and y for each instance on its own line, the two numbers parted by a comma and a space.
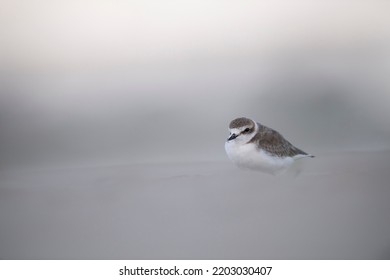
302, 156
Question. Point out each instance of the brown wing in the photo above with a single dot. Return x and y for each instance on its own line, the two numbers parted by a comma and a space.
274, 143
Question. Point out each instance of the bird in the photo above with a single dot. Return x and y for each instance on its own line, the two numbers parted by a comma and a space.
254, 146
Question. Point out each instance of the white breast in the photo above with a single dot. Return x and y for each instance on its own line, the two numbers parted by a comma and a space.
248, 156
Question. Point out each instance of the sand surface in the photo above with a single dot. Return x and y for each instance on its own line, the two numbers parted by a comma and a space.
338, 208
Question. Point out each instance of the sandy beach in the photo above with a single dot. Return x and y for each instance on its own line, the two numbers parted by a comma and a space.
338, 208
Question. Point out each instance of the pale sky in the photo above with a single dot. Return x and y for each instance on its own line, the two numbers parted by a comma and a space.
86, 78
47, 33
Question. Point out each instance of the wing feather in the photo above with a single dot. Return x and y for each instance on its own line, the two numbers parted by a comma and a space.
274, 143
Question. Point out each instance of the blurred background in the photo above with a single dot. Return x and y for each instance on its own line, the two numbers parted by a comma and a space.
114, 114
130, 81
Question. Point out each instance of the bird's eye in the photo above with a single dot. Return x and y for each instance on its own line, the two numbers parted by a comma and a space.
246, 130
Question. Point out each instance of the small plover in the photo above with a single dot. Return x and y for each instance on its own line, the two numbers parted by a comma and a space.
254, 146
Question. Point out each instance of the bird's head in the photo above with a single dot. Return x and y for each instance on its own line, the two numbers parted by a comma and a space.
241, 130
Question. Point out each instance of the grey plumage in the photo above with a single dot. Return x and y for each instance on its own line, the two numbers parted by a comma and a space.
241, 122
274, 143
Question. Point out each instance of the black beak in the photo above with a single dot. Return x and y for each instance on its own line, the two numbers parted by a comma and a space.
231, 137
